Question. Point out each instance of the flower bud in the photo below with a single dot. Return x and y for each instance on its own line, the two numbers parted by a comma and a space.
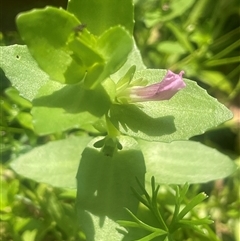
163, 90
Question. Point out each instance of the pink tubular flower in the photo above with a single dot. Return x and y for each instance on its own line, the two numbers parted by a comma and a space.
163, 90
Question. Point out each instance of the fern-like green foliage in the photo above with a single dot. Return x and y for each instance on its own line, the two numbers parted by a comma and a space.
165, 227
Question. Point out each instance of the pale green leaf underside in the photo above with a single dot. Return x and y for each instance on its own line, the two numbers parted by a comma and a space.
190, 112
184, 161
55, 163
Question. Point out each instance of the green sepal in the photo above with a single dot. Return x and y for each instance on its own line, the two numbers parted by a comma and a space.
126, 79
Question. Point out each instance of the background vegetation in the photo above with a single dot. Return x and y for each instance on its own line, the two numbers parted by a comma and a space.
199, 37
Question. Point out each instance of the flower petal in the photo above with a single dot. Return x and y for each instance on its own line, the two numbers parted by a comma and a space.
163, 90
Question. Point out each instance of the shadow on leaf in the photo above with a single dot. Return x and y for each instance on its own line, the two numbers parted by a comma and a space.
74, 98
133, 118
104, 184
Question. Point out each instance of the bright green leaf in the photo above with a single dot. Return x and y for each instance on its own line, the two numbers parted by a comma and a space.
86, 53
184, 161
190, 112
54, 163
134, 58
103, 15
190, 223
46, 32
115, 45
190, 205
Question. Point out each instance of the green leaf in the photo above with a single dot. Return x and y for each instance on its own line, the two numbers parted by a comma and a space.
103, 15
84, 51
66, 55
59, 107
54, 163
46, 32
134, 58
22, 70
190, 223
190, 112
189, 206
184, 161
104, 181
114, 45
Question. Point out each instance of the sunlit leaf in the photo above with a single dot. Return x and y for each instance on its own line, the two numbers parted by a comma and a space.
184, 161
22, 70
46, 32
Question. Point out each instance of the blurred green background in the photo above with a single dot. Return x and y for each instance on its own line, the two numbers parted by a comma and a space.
200, 37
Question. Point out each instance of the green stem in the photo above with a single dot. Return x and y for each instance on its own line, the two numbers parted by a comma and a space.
111, 129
